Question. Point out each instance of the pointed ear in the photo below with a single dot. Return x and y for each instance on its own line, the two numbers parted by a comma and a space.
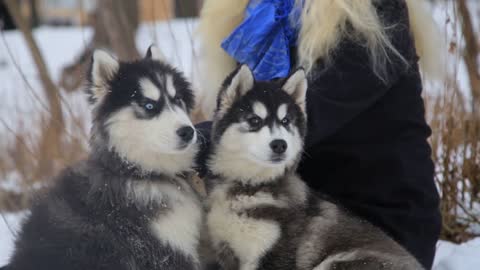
241, 82
104, 67
296, 86
155, 53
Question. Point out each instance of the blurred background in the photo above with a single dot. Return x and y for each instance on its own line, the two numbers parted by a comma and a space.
45, 49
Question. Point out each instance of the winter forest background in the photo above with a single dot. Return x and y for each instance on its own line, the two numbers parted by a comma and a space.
45, 48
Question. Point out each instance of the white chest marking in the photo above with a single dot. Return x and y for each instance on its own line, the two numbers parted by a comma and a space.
180, 226
248, 238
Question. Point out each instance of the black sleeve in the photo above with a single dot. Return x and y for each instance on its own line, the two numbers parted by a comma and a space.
348, 85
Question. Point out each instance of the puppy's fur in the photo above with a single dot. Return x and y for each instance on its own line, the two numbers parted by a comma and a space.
128, 206
261, 215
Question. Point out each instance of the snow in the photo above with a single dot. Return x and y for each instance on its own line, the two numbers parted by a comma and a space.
60, 46
10, 223
445, 15
458, 257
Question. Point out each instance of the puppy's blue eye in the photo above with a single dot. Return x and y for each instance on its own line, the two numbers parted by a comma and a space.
285, 121
149, 106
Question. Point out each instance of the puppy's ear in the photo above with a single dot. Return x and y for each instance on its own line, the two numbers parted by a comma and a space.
296, 86
240, 83
155, 53
103, 68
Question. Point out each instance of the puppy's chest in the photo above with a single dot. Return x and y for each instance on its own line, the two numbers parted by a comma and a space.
245, 222
177, 219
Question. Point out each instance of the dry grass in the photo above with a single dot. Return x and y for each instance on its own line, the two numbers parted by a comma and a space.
456, 152
455, 122
29, 162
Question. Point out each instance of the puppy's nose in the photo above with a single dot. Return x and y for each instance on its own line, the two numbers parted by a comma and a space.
278, 146
185, 133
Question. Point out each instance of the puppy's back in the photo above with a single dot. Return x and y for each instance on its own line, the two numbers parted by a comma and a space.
60, 232
336, 239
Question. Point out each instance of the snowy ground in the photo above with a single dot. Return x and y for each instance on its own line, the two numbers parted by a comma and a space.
60, 46
458, 257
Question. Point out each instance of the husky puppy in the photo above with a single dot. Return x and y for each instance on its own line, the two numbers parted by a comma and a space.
127, 206
261, 215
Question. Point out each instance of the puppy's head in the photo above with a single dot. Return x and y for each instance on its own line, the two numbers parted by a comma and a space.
141, 112
259, 127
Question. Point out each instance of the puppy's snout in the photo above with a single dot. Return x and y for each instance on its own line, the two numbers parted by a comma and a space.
278, 146
186, 133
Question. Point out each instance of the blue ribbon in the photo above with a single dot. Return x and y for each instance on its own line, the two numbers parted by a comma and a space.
264, 38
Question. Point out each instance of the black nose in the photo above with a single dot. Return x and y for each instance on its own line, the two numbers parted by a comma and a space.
185, 133
278, 146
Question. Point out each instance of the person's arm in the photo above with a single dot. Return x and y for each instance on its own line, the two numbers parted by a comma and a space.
349, 86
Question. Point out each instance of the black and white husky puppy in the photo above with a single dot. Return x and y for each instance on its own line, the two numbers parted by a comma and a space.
128, 205
261, 215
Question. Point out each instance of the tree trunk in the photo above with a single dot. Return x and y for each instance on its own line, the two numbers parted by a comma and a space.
470, 56
187, 8
50, 142
120, 18
34, 19
49, 88
472, 51
115, 24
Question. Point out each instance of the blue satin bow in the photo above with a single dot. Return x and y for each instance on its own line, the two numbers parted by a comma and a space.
264, 38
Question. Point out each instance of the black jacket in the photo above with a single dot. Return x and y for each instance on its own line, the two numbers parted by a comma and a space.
367, 139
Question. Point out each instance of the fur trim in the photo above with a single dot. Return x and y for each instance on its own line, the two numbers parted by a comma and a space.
218, 19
